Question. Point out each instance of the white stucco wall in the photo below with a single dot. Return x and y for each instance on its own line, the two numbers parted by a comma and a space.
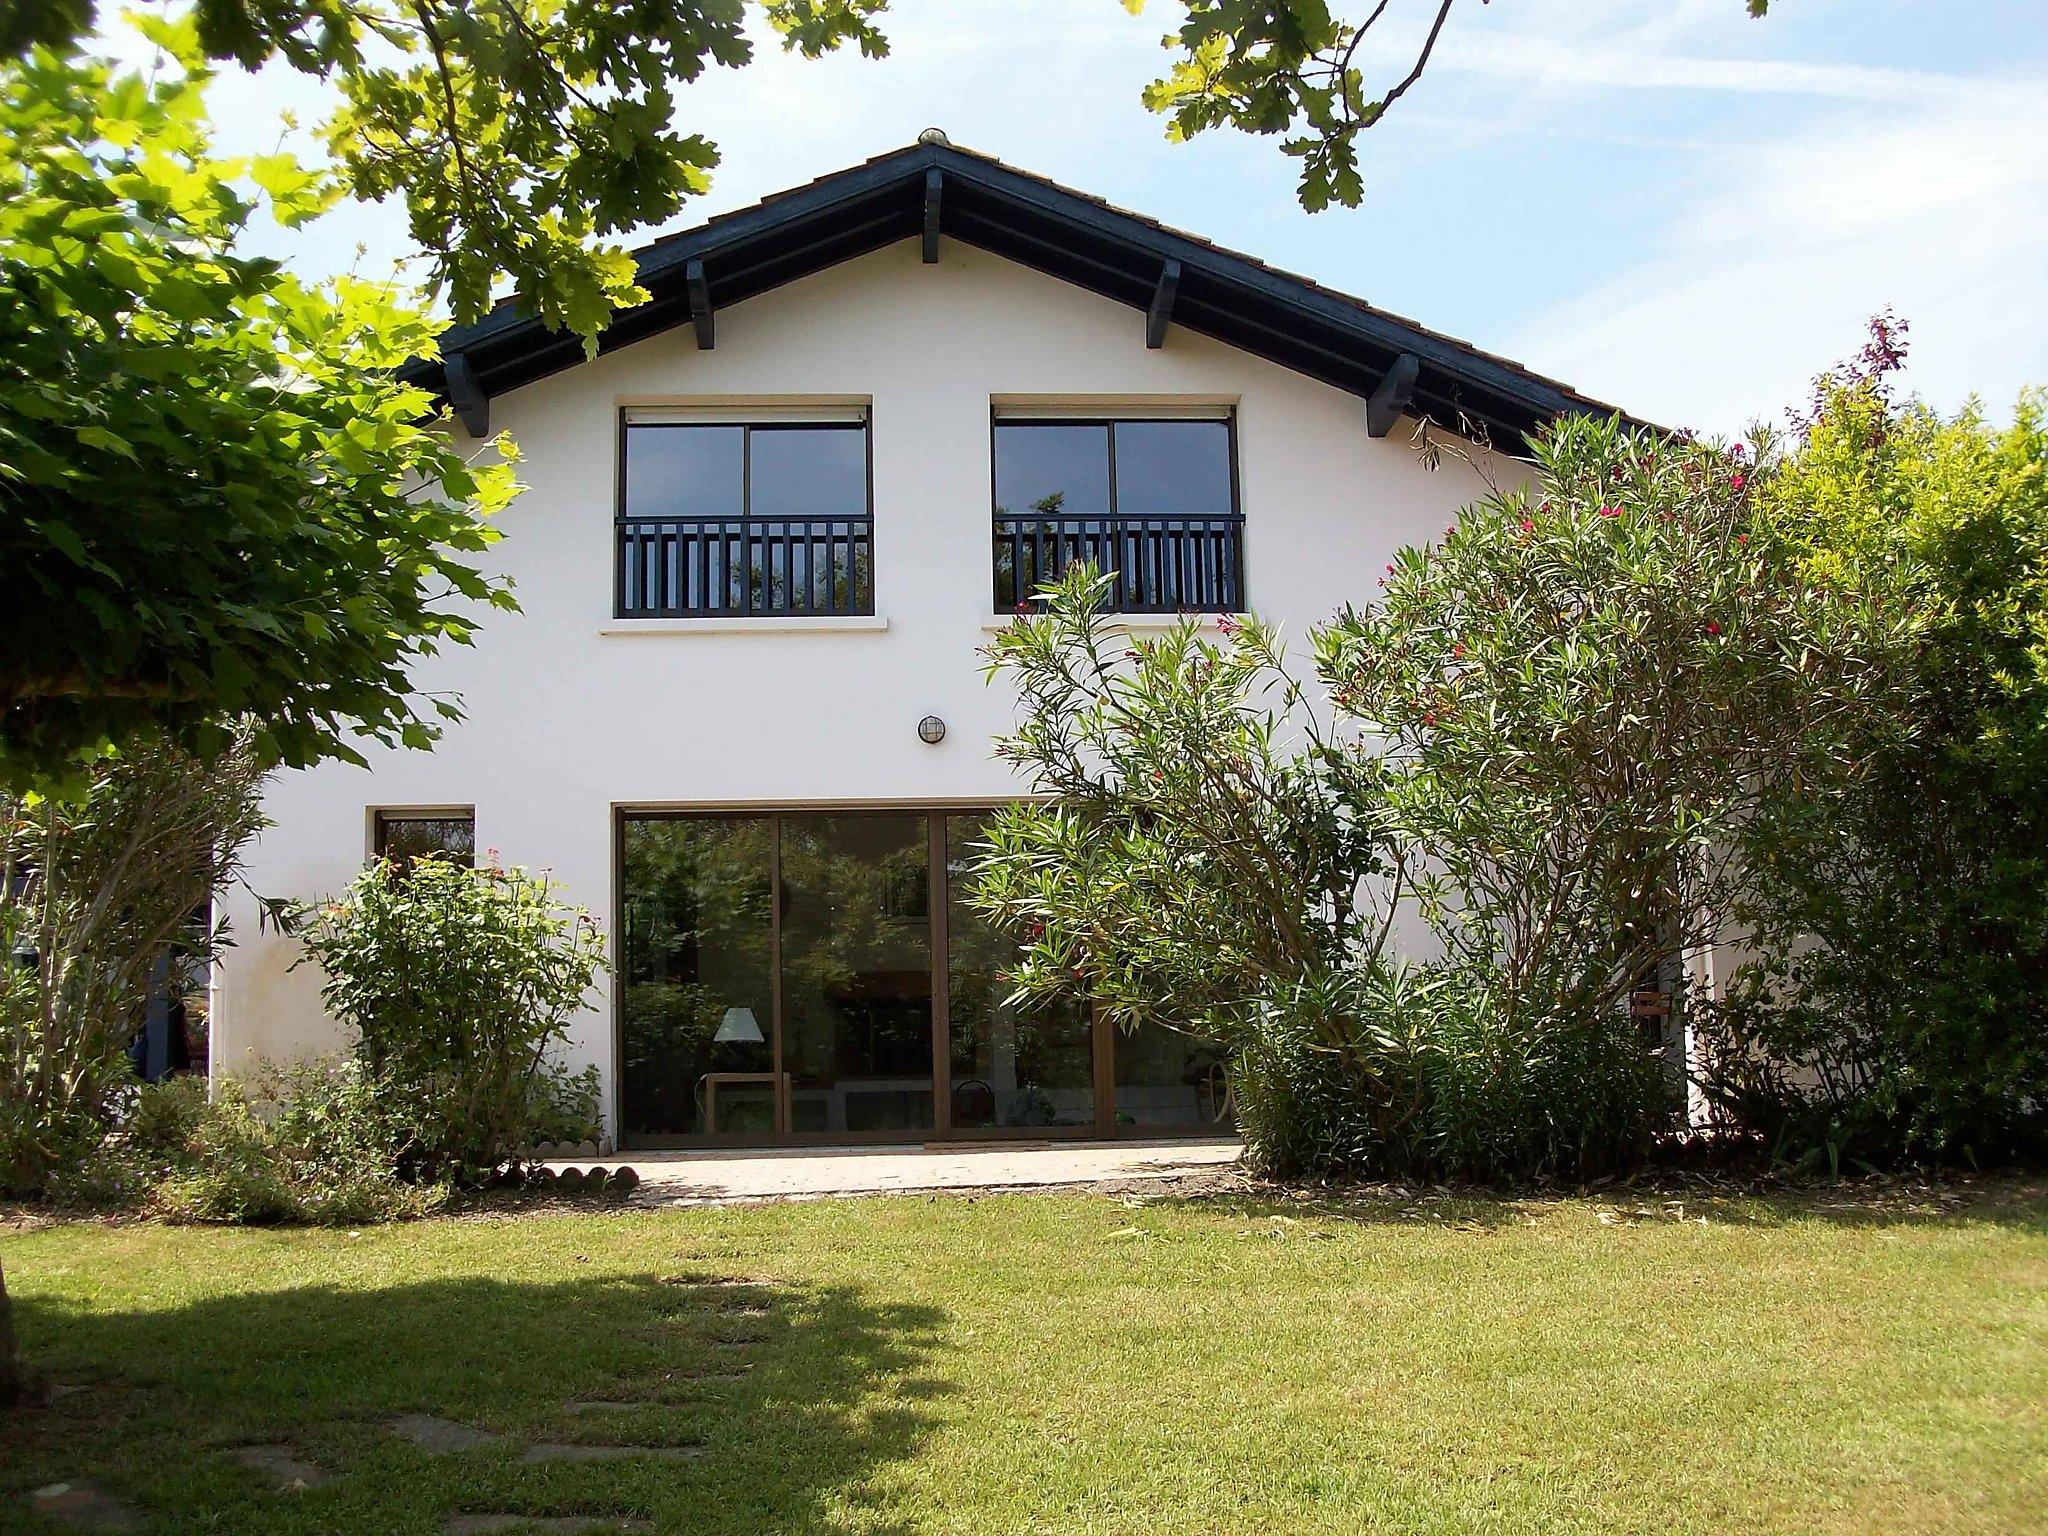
566, 722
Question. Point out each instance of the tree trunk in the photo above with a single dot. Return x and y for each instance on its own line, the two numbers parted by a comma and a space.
15, 1385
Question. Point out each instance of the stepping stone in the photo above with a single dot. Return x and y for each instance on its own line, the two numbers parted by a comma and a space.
704, 1282
86, 1506
282, 1464
745, 1340
542, 1525
433, 1434
534, 1455
609, 1405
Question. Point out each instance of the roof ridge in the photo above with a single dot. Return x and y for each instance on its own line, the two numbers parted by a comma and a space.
1078, 236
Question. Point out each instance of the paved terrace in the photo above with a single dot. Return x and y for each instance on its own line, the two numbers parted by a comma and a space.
813, 1173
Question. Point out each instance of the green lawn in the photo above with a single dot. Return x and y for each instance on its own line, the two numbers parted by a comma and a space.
1073, 1364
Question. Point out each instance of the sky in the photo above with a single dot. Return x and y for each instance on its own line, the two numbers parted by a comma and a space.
1666, 203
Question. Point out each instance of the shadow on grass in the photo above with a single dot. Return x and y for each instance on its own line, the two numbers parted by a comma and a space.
2013, 1200
795, 1398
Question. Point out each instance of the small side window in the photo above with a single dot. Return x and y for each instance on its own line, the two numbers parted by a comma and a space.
406, 837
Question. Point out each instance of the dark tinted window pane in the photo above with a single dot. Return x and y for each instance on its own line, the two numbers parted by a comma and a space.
403, 839
810, 472
1043, 468
696, 990
857, 972
684, 471
1010, 1067
1172, 468
1164, 1077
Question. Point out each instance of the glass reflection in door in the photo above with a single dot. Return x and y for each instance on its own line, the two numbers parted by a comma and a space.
857, 971
1011, 1068
696, 980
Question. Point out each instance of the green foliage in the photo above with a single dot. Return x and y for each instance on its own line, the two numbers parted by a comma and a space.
95, 890
457, 981
517, 134
1590, 693
1290, 68
1898, 1003
215, 500
316, 1143
1546, 740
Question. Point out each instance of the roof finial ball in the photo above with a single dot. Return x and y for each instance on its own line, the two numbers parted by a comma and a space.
935, 136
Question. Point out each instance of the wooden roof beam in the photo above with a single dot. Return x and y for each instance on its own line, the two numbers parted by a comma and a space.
466, 395
1394, 394
700, 306
1159, 313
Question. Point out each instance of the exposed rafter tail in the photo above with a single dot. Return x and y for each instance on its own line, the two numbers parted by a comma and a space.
700, 306
472, 405
1159, 313
1394, 394
934, 191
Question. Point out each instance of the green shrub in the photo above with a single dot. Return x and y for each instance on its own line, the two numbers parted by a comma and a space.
95, 888
458, 980
316, 1143
1544, 740
1897, 1007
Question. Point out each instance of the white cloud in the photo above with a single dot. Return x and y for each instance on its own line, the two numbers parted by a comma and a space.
1941, 214
1551, 61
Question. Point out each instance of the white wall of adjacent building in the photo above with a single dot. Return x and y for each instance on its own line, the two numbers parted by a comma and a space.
572, 714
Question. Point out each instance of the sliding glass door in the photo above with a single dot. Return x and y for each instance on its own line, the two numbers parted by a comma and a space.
820, 976
1009, 1070
696, 977
857, 972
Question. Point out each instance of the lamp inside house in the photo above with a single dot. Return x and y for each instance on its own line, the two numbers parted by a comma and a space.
739, 1024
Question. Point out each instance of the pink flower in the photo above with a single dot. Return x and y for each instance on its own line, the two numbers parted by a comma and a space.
1735, 482
1742, 538
1228, 624
1739, 450
1527, 526
1610, 511
1713, 628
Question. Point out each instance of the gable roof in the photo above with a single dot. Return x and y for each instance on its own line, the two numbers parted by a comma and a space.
1237, 299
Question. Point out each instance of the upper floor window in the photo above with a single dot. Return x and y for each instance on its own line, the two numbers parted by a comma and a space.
1152, 499
406, 837
744, 518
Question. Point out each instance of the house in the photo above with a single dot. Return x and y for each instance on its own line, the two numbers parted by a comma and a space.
742, 716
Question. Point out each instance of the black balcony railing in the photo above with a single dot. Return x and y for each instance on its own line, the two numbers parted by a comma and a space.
1162, 564
731, 567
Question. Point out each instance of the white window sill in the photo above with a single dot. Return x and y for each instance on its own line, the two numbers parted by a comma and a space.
863, 623
1120, 623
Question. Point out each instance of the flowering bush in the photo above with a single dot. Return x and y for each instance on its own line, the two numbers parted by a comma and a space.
458, 980
1594, 698
1551, 737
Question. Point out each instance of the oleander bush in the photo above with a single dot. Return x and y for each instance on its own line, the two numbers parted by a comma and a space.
1546, 746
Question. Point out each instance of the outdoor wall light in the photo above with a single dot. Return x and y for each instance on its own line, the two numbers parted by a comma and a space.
931, 730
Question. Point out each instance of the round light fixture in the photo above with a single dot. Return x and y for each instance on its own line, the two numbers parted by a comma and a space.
931, 730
